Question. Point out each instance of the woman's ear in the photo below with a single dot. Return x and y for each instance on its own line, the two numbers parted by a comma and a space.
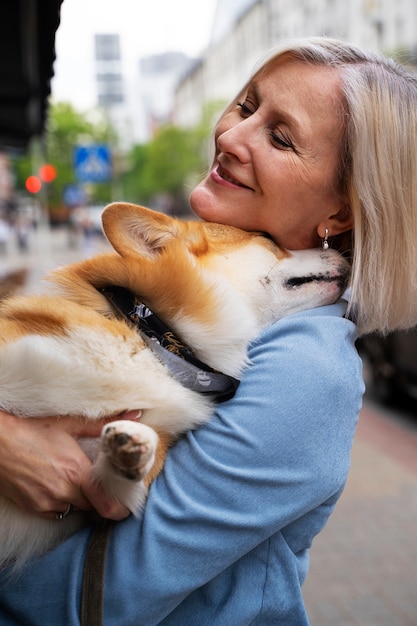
338, 223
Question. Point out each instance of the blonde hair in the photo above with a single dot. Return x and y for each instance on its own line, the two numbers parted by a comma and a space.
378, 168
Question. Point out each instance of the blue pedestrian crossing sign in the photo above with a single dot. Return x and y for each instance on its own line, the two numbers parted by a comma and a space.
93, 163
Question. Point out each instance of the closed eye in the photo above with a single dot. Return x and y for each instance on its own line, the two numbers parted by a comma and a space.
280, 141
246, 110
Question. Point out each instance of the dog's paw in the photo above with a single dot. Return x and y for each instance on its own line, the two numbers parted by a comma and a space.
129, 448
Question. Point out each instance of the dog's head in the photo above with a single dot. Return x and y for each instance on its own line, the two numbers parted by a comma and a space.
216, 286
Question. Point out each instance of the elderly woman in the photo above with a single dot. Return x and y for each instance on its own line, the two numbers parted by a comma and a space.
319, 148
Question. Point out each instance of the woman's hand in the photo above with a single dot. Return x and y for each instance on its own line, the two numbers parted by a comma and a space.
43, 469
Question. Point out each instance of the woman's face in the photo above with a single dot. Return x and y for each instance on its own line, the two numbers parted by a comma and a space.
277, 158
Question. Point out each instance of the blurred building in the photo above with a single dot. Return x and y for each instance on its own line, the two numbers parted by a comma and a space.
152, 85
110, 81
157, 80
108, 70
244, 30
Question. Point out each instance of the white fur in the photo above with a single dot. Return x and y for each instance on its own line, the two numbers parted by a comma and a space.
97, 373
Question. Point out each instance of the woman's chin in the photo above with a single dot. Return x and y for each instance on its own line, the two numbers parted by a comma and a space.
202, 203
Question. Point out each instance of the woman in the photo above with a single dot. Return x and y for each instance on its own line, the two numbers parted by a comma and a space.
318, 149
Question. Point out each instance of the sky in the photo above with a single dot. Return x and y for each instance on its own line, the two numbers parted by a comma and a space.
146, 27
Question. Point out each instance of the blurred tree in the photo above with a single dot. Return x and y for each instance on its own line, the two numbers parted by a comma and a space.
162, 172
66, 128
162, 168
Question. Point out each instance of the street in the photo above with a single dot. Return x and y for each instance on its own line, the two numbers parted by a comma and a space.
47, 249
364, 564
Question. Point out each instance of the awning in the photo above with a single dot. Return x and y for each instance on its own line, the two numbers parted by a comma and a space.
27, 54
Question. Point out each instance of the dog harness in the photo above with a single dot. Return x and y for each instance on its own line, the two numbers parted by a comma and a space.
178, 358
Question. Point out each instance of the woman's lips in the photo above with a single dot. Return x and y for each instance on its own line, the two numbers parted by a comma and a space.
225, 176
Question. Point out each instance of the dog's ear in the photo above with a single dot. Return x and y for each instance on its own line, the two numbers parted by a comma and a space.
136, 230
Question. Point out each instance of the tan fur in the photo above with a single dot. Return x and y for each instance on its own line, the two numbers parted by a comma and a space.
68, 353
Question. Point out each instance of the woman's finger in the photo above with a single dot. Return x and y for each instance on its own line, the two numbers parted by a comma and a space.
80, 427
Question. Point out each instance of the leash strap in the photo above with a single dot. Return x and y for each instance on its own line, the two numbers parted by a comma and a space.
92, 593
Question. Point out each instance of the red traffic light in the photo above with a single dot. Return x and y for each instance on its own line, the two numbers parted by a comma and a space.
33, 184
47, 172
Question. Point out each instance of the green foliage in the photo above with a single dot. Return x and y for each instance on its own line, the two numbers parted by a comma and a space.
164, 165
172, 163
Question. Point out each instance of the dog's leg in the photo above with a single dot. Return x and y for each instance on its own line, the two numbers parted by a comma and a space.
126, 455
129, 448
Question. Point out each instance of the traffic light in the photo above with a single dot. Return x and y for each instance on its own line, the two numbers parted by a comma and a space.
33, 184
47, 172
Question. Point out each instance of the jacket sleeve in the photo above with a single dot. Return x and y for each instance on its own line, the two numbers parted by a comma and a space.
276, 451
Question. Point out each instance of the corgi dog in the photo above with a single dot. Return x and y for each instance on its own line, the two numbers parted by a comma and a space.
162, 324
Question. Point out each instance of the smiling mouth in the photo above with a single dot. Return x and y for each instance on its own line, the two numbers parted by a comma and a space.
223, 174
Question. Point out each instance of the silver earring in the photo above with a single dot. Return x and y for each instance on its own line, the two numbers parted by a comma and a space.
325, 243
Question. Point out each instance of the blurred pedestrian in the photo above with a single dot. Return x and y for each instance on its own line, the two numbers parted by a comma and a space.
23, 227
4, 235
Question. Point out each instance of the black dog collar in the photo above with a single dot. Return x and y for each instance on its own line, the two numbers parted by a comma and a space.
174, 354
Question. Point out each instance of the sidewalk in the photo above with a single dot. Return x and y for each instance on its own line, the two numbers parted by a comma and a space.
48, 249
364, 564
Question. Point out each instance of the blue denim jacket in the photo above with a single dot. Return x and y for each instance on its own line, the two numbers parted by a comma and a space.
225, 535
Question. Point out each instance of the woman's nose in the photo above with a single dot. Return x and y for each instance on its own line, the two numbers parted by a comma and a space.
234, 142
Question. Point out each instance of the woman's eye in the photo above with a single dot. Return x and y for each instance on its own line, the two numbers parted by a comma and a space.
245, 109
282, 142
